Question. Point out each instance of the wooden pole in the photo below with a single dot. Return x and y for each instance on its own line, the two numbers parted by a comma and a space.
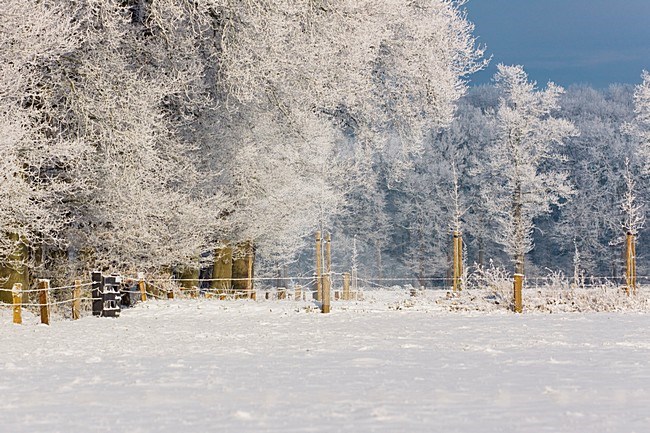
458, 260
17, 298
76, 300
327, 281
44, 289
518, 284
143, 289
346, 286
297, 293
326, 294
319, 267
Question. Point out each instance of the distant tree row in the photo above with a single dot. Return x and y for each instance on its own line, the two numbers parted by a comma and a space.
537, 180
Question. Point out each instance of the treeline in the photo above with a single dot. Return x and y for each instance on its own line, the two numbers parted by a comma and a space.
148, 135
556, 177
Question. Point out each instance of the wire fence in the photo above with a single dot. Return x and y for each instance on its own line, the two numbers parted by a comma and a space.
52, 300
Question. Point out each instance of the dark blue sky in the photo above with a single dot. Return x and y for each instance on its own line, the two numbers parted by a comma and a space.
566, 41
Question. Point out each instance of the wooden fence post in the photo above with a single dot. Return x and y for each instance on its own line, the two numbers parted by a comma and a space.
319, 267
326, 294
458, 260
143, 288
346, 286
17, 298
297, 295
327, 278
519, 282
76, 300
43, 299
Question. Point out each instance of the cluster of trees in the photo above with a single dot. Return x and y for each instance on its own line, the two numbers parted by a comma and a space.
146, 135
556, 177
142, 135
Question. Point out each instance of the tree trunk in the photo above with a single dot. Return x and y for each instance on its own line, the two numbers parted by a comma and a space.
190, 277
481, 252
421, 266
449, 274
222, 269
519, 232
14, 269
319, 266
242, 264
519, 264
380, 274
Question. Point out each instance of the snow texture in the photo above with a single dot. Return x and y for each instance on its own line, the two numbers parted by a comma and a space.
389, 363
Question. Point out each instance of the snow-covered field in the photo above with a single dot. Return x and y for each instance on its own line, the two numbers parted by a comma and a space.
390, 363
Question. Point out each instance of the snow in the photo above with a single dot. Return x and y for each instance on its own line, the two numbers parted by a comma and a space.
388, 363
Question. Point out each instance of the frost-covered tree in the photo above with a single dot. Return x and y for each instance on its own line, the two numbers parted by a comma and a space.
527, 135
468, 139
141, 133
122, 92
586, 226
32, 182
421, 219
641, 127
383, 62
284, 184
431, 201
632, 211
367, 69
430, 208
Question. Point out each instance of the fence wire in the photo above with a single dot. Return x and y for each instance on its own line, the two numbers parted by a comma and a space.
306, 284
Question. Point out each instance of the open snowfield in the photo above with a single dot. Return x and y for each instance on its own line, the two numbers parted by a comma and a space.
387, 364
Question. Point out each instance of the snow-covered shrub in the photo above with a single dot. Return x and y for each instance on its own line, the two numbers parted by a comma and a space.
495, 278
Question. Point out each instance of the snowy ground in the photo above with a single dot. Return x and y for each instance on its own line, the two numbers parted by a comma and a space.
390, 363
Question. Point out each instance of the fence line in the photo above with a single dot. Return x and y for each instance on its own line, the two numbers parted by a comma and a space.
208, 280
564, 282
154, 296
586, 281
156, 287
67, 301
406, 278
51, 289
